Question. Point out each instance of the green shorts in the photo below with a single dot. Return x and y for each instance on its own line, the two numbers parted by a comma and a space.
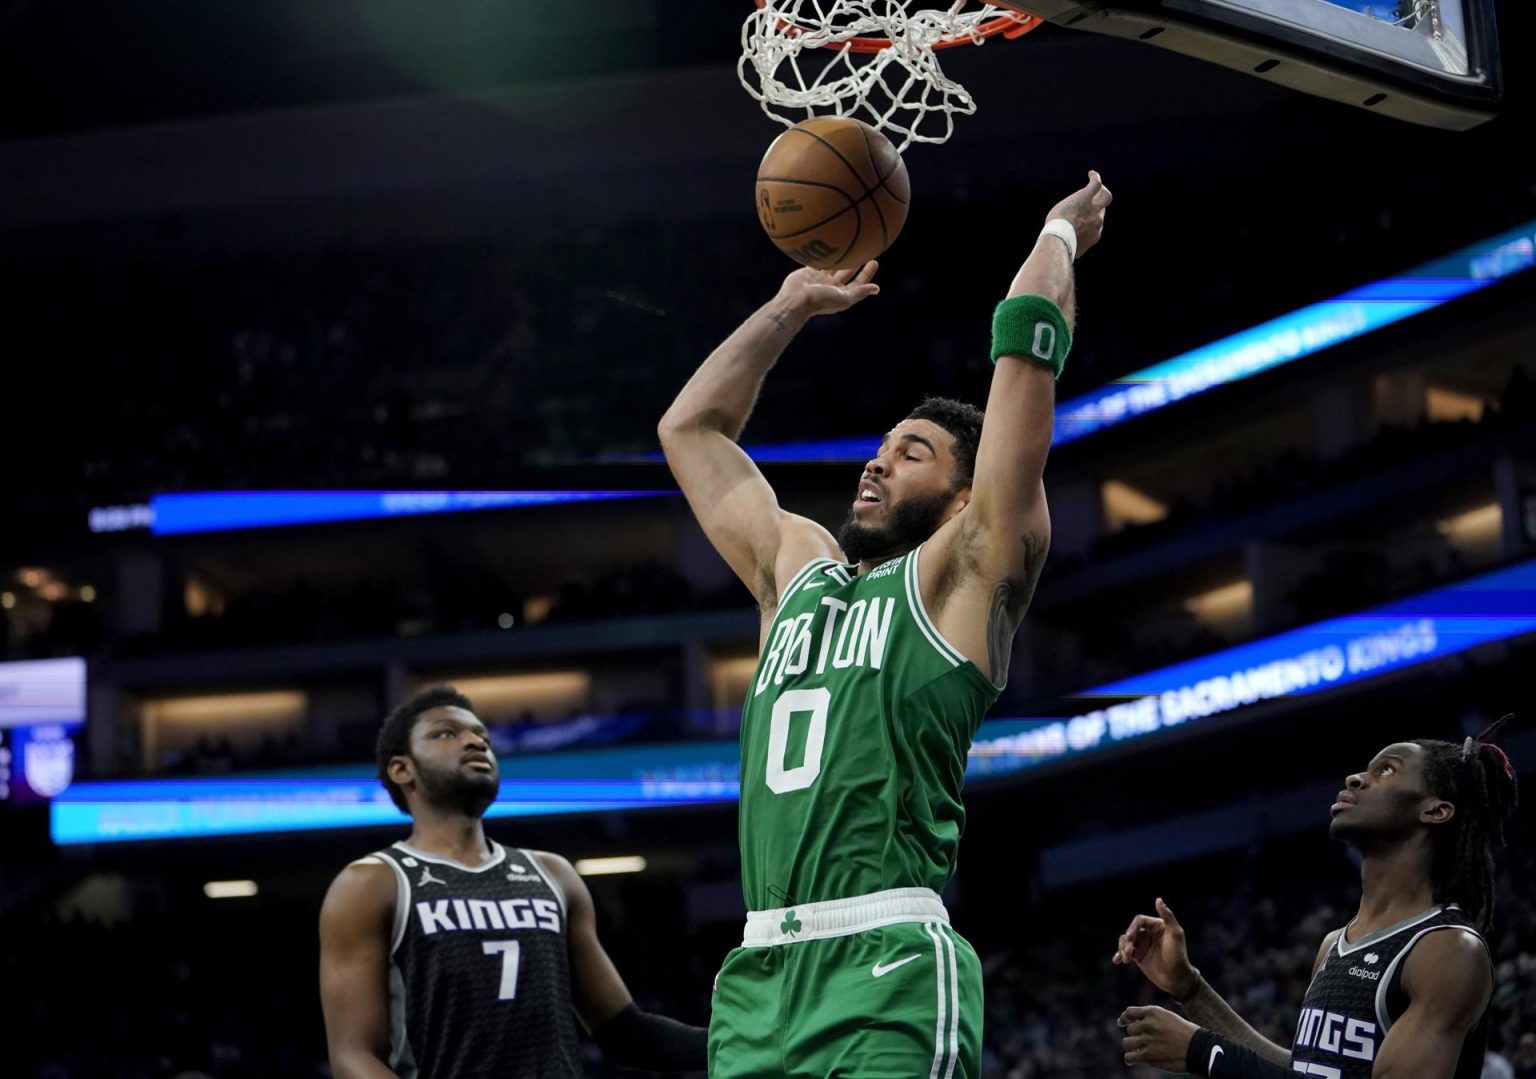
867, 988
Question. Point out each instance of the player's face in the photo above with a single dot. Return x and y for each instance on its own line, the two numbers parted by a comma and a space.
905, 493
453, 763
1388, 800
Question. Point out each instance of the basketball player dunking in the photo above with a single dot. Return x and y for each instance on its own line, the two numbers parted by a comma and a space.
449, 956
1399, 992
881, 650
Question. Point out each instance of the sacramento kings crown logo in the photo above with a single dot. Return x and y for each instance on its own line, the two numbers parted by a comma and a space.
49, 765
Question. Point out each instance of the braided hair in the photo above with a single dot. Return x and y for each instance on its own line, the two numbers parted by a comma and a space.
1477, 778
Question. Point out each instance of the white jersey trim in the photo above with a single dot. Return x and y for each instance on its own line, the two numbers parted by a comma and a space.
945, 933
538, 867
1384, 1021
402, 1058
802, 575
920, 614
1382, 934
498, 855
402, 900
941, 1010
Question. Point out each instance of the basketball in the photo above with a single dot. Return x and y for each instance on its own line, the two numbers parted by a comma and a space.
832, 192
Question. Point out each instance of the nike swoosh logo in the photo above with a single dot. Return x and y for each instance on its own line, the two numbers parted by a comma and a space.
813, 584
1210, 1066
882, 969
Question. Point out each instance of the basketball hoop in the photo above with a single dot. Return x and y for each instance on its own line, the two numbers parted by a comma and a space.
883, 68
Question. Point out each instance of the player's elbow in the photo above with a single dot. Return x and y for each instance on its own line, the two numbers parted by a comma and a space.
681, 427
668, 427
673, 435
677, 424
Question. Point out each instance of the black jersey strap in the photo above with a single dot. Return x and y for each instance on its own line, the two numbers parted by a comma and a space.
650, 1042
1220, 1057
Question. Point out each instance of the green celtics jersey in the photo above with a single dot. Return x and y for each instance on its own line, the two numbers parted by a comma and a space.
853, 740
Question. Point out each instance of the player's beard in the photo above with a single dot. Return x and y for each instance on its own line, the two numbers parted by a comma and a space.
456, 791
910, 522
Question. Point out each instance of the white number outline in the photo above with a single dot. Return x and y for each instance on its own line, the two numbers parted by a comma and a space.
782, 780
511, 958
1042, 348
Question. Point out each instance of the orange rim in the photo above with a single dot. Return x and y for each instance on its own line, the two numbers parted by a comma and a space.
1008, 26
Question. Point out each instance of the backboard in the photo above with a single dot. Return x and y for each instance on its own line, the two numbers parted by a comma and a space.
1432, 62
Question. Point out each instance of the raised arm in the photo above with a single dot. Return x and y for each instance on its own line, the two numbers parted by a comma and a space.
733, 503
1157, 945
628, 1037
981, 569
355, 922
1447, 978
1007, 501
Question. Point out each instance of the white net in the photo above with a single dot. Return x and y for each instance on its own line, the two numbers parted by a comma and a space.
802, 58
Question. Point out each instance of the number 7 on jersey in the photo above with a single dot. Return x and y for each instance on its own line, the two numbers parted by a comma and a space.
510, 952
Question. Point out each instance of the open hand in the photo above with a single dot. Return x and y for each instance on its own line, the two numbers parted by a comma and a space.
822, 292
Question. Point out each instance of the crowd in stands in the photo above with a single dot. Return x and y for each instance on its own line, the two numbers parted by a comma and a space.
1292, 476
354, 742
393, 363
399, 367
468, 601
430, 365
303, 612
1051, 1005
300, 612
229, 990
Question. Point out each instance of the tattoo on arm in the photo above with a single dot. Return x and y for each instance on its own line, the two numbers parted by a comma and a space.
1001, 626
1209, 1010
1035, 547
777, 318
1010, 599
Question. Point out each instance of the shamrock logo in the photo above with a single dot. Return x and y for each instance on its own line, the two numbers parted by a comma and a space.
791, 924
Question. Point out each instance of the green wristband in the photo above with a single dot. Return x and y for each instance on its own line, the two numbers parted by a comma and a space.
1032, 328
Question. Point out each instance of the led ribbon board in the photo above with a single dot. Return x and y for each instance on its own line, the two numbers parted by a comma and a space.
576, 782
217, 511
1495, 606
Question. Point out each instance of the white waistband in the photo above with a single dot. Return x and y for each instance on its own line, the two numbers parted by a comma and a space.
839, 917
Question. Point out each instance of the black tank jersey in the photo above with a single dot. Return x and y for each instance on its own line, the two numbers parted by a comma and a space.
479, 983
1357, 994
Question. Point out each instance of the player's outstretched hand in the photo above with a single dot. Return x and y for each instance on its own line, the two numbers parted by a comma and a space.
1157, 946
1085, 209
822, 292
1156, 1037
